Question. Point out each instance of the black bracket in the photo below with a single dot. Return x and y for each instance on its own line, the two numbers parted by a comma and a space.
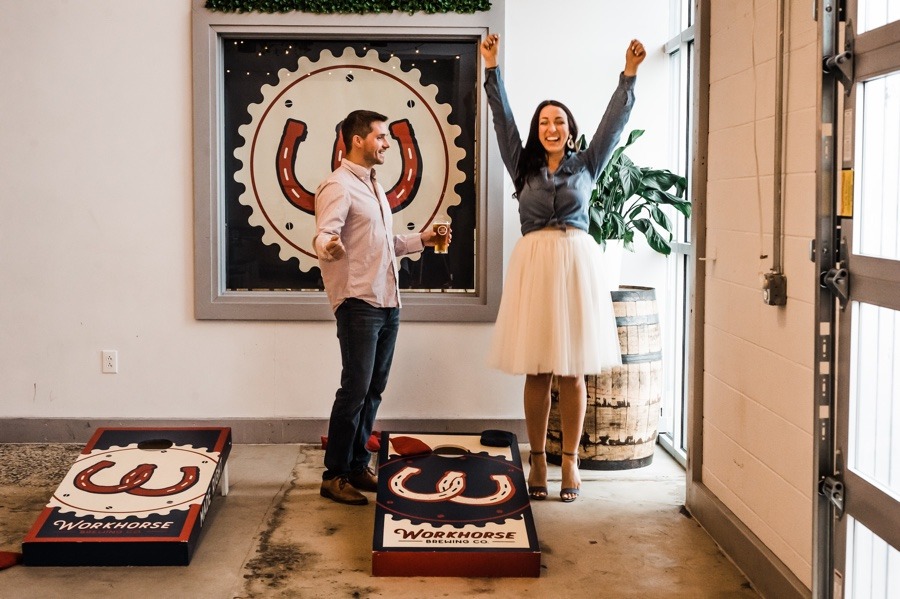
841, 65
833, 490
837, 280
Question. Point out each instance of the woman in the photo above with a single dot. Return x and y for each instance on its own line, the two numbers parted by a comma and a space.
556, 312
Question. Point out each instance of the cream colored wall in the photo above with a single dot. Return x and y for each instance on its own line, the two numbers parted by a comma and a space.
96, 228
758, 383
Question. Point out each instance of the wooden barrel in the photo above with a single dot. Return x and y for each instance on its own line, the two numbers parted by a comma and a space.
622, 416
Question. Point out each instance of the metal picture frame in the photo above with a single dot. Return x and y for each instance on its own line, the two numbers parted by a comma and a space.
224, 171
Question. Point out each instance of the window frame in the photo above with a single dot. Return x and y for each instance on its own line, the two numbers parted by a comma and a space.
212, 300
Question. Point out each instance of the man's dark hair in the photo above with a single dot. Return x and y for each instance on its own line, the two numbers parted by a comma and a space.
359, 122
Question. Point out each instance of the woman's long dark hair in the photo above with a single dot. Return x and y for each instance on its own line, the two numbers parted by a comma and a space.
533, 155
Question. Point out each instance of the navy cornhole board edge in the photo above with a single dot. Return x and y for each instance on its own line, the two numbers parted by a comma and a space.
464, 559
46, 546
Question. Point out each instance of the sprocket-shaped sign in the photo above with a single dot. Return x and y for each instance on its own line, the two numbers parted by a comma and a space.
293, 142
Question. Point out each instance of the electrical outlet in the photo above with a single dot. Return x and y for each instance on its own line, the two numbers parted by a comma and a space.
109, 361
774, 289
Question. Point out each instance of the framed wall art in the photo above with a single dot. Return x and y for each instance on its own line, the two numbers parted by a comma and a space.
270, 92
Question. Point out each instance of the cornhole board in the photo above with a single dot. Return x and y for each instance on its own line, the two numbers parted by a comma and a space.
461, 509
134, 497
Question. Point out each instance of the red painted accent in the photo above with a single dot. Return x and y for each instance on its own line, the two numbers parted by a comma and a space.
339, 152
293, 135
135, 477
469, 564
403, 192
189, 477
133, 481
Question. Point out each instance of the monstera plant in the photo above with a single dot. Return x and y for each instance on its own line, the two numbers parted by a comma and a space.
628, 198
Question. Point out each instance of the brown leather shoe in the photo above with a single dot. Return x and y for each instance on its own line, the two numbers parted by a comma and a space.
339, 489
364, 480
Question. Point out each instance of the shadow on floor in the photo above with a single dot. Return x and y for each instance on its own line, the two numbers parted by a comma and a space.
628, 535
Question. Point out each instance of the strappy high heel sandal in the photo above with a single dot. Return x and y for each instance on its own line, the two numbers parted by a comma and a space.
570, 494
537, 492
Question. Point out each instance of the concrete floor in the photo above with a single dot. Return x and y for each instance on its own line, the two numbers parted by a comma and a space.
273, 536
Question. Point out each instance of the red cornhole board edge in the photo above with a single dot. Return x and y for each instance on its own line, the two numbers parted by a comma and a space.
436, 496
146, 522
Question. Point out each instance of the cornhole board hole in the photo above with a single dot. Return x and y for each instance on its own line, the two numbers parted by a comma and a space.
449, 506
134, 497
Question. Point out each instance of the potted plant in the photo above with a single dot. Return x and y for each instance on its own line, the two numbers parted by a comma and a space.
629, 198
622, 411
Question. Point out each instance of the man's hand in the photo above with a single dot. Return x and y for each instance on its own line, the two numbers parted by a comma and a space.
334, 249
634, 56
428, 236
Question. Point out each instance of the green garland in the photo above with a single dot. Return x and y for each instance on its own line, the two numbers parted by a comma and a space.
350, 6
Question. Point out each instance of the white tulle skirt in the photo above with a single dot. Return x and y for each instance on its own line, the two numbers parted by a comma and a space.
556, 313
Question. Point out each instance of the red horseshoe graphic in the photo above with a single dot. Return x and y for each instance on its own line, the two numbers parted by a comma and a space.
293, 135
399, 196
339, 150
132, 479
132, 482
189, 477
403, 192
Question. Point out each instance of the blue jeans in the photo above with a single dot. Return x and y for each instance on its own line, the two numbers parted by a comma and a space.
367, 336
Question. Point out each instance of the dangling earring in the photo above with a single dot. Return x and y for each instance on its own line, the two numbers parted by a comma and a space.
570, 143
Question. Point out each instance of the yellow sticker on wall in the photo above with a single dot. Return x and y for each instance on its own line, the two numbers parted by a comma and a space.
845, 205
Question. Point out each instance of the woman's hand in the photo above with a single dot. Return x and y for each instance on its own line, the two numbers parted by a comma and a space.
634, 56
489, 47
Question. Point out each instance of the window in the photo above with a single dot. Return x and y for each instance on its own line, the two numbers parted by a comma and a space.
673, 421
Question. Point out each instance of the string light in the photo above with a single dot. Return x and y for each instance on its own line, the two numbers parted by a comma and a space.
266, 49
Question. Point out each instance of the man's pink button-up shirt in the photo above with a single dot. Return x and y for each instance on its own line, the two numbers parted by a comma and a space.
350, 206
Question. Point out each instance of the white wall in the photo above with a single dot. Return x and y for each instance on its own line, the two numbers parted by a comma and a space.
96, 233
575, 56
758, 395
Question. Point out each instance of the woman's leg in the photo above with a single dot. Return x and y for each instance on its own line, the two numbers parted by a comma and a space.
537, 412
572, 404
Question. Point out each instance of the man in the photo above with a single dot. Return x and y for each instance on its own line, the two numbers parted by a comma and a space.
357, 253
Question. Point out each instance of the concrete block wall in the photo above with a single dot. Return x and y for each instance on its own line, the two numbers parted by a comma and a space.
758, 378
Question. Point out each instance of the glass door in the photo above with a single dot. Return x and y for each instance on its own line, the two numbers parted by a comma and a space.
673, 412
866, 540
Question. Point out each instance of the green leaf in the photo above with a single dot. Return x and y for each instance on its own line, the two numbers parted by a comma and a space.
628, 198
661, 219
633, 136
654, 239
581, 144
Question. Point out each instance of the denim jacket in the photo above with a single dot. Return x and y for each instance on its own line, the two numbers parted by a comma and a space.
558, 199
